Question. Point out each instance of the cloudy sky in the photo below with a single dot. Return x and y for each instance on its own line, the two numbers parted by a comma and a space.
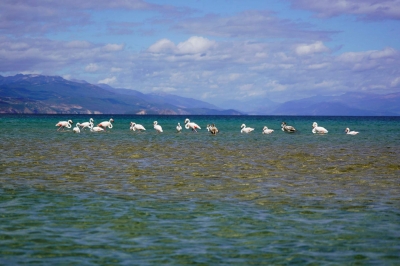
213, 50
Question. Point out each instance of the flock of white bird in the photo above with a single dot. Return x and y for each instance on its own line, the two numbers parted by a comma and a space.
188, 125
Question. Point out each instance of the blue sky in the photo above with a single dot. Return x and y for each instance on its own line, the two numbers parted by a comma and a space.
215, 51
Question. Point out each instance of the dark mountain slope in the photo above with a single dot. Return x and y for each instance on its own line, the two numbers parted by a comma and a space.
52, 94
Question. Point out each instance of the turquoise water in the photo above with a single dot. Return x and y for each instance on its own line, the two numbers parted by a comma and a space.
141, 198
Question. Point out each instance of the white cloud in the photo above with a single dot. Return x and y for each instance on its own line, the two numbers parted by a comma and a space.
177, 77
113, 47
77, 44
306, 49
249, 24
318, 66
162, 46
227, 78
325, 84
367, 9
246, 87
357, 57
92, 67
32, 72
164, 89
285, 66
274, 85
387, 52
395, 82
108, 81
193, 45
214, 86
116, 69
261, 55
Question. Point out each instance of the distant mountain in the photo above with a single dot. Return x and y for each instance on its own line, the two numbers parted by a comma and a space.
55, 95
163, 98
348, 104
323, 108
259, 106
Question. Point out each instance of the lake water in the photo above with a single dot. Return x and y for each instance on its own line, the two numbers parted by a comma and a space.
142, 198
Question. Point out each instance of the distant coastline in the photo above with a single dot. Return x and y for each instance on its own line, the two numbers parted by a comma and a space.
38, 94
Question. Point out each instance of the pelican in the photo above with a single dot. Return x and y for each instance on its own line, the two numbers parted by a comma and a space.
96, 129
287, 128
105, 124
266, 130
179, 127
319, 130
76, 128
157, 127
191, 125
63, 124
212, 129
135, 126
246, 129
348, 132
86, 124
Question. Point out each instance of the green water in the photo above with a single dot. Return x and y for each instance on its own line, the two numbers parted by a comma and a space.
141, 198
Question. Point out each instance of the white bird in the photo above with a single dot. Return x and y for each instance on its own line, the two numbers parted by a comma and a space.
105, 124
76, 128
96, 129
266, 130
86, 124
135, 126
212, 129
191, 125
157, 127
246, 129
64, 124
179, 127
318, 130
287, 128
348, 132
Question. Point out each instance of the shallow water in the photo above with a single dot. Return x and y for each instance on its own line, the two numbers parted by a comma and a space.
123, 197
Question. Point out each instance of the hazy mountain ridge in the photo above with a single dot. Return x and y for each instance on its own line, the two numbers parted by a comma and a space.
348, 104
56, 95
53, 94
163, 98
260, 106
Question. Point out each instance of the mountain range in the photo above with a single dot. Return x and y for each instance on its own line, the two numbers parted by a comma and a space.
348, 104
56, 95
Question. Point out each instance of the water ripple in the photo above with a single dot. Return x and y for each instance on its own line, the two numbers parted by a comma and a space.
147, 198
